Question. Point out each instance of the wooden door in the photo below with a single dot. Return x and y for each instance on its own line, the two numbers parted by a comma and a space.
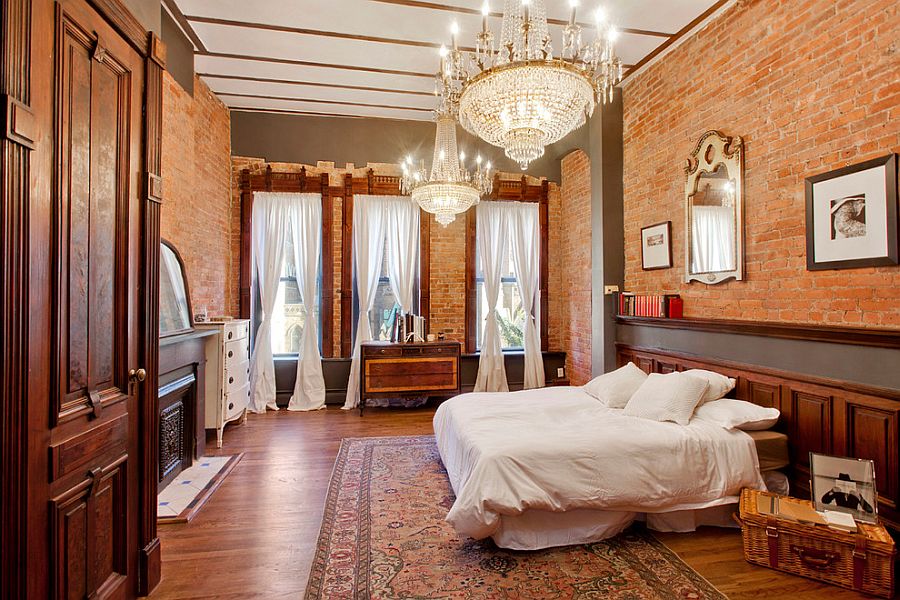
89, 430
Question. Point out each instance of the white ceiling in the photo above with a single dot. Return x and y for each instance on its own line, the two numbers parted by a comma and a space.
371, 58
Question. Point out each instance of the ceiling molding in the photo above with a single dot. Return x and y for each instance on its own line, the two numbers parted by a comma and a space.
318, 101
306, 63
182, 22
361, 88
278, 111
473, 11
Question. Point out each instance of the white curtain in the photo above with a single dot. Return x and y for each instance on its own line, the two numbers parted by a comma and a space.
491, 239
402, 233
712, 239
270, 224
524, 232
369, 225
305, 216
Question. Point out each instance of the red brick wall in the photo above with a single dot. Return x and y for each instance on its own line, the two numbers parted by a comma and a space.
574, 265
196, 212
811, 86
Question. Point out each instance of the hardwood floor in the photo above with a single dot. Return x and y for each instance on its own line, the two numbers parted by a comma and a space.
256, 536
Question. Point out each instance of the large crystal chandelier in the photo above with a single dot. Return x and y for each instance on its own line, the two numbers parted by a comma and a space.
451, 189
516, 94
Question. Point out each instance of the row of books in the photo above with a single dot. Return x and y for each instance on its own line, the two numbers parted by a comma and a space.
667, 306
408, 328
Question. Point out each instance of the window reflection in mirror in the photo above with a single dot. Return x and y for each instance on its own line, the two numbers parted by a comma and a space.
174, 313
713, 222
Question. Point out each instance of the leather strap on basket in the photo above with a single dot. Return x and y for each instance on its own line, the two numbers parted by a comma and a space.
772, 537
859, 560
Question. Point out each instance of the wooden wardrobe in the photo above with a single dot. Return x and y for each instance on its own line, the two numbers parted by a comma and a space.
80, 196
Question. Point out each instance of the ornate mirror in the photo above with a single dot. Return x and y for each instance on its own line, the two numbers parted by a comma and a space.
174, 302
714, 208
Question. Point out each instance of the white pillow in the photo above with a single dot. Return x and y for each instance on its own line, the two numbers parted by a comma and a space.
719, 385
669, 397
616, 387
738, 414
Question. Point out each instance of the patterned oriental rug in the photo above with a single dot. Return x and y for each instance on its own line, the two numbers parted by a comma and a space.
384, 536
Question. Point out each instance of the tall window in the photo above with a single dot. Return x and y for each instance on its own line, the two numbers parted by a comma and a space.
386, 307
289, 318
510, 314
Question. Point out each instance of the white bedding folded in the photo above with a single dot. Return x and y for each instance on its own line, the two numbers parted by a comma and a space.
558, 449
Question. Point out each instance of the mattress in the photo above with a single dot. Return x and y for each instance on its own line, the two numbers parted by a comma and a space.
771, 448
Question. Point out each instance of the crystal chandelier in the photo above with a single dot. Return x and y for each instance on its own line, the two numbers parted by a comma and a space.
451, 189
517, 95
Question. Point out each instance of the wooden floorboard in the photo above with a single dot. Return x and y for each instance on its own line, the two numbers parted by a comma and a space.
256, 536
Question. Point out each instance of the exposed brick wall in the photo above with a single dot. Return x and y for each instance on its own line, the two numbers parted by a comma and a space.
574, 265
197, 208
811, 86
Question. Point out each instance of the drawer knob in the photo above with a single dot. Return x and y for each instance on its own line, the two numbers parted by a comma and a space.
231, 380
382, 351
230, 405
248, 370
230, 353
230, 335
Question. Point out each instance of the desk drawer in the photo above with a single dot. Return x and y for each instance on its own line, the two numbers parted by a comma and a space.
235, 331
236, 401
411, 374
236, 352
236, 376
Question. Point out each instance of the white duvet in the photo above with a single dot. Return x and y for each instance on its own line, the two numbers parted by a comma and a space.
559, 449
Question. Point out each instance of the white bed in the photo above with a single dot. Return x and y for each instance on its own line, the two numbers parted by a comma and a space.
554, 466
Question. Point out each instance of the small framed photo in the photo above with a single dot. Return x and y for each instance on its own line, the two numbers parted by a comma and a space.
656, 246
851, 216
845, 485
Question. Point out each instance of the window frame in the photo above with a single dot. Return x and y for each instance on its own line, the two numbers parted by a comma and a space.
515, 191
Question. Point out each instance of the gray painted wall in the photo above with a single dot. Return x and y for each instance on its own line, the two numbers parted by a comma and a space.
179, 53
148, 12
308, 139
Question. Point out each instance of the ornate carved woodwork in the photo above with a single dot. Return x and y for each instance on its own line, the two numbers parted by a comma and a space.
817, 414
171, 439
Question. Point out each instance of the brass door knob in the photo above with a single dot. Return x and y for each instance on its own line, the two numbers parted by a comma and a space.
137, 374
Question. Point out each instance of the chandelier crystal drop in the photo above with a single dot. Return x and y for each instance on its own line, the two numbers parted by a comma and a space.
450, 189
516, 94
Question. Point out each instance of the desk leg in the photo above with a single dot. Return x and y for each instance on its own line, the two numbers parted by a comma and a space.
362, 405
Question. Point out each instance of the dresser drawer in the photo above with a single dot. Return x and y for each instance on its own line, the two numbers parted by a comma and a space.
236, 352
238, 330
237, 376
379, 351
236, 401
408, 374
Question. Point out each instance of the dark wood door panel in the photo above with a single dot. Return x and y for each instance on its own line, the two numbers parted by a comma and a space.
872, 433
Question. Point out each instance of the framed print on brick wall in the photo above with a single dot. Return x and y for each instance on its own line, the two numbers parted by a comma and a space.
851, 216
656, 246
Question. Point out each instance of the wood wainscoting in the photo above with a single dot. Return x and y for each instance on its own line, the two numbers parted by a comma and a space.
818, 415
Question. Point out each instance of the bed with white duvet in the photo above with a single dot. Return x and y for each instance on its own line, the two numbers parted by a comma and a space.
555, 466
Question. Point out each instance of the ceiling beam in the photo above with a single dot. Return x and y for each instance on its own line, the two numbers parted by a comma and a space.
306, 63
318, 101
315, 114
362, 88
176, 13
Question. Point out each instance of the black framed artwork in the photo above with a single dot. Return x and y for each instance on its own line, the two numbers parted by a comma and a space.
656, 246
851, 216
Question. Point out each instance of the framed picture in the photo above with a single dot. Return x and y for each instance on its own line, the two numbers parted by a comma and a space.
845, 485
656, 246
851, 216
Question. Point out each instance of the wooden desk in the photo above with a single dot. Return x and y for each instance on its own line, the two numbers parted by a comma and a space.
389, 370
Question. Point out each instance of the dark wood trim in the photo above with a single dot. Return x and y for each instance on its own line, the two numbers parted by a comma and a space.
517, 190
246, 249
425, 268
347, 267
890, 185
317, 101
362, 88
880, 338
126, 24
326, 309
306, 63
150, 564
818, 414
472, 11
675, 37
176, 13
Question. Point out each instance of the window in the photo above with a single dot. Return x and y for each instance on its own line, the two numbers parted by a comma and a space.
510, 314
385, 308
289, 318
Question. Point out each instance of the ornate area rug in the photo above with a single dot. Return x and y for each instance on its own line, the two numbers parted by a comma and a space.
384, 536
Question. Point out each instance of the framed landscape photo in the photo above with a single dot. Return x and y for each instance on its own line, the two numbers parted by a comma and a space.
845, 485
851, 216
656, 246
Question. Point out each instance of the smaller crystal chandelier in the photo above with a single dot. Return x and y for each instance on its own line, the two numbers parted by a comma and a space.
451, 189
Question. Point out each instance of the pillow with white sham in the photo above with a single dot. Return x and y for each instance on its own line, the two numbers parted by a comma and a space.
719, 385
669, 397
616, 387
738, 414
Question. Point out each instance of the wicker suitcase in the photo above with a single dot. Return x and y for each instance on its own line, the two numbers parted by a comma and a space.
862, 561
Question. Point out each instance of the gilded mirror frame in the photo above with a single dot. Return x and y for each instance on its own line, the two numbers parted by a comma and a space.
712, 151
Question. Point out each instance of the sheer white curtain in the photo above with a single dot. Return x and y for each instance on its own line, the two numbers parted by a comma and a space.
491, 237
369, 225
525, 244
402, 233
270, 224
305, 216
712, 238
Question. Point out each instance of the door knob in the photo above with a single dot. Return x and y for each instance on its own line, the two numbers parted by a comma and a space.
137, 374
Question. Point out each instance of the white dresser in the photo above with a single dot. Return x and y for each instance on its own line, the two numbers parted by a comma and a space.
227, 373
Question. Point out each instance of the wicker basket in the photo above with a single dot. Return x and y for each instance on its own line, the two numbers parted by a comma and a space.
862, 561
